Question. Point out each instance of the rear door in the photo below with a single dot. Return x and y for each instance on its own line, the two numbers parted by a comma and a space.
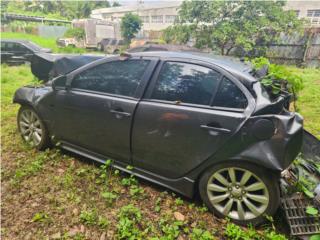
96, 112
177, 126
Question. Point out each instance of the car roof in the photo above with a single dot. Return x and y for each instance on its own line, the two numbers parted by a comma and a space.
230, 64
15, 40
30, 44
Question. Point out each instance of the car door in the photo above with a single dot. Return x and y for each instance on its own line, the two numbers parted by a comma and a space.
177, 126
22, 53
96, 112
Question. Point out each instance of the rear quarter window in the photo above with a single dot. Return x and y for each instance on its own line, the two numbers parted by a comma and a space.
230, 96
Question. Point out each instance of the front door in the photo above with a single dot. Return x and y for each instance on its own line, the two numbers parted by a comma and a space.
176, 126
97, 111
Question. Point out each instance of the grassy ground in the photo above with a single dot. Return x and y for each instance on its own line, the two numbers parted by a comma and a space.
309, 99
41, 41
58, 195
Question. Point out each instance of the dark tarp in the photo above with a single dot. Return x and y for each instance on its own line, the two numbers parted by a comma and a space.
46, 66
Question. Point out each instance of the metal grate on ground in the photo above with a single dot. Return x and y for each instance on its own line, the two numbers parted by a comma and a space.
299, 221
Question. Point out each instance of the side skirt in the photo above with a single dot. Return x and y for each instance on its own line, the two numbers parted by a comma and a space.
184, 186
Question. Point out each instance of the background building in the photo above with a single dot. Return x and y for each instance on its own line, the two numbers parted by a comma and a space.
155, 16
309, 10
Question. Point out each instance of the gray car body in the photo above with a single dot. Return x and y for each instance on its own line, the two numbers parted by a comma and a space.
199, 137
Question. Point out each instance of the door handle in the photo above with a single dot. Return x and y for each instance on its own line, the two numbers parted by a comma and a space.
121, 113
223, 130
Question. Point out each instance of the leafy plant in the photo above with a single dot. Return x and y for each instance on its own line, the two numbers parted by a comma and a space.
40, 217
312, 211
109, 197
88, 217
77, 33
246, 26
136, 190
178, 201
200, 234
130, 25
129, 218
278, 78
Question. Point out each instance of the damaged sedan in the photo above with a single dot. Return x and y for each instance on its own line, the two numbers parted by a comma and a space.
194, 124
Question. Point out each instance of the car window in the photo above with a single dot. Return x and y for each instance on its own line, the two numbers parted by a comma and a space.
117, 77
22, 48
230, 96
3, 46
188, 83
10, 46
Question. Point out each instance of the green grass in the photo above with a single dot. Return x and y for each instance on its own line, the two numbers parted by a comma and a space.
42, 41
308, 102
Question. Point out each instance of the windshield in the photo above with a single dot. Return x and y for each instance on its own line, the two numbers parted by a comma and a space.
33, 46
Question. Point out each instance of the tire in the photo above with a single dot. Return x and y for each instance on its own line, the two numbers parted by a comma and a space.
223, 197
32, 128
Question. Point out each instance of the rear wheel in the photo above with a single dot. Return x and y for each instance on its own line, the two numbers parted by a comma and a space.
242, 192
32, 128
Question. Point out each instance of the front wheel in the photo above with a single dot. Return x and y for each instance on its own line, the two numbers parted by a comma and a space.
32, 128
242, 192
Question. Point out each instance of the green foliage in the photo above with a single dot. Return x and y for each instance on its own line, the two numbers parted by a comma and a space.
227, 25
77, 33
89, 217
178, 201
177, 34
312, 211
306, 182
315, 237
278, 75
41, 217
235, 232
128, 223
54, 9
171, 230
109, 197
200, 234
130, 25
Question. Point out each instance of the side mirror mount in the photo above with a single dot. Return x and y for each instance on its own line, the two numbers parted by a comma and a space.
59, 82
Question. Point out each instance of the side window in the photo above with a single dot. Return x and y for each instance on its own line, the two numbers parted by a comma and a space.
118, 77
23, 49
3, 46
230, 96
10, 46
188, 83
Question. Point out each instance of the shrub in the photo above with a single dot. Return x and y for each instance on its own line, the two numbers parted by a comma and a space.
77, 33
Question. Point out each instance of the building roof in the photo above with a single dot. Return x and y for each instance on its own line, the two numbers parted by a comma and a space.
140, 7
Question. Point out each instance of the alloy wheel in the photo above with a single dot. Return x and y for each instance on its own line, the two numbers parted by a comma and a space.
237, 193
30, 127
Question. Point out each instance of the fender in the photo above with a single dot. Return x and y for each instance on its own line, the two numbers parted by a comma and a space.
276, 152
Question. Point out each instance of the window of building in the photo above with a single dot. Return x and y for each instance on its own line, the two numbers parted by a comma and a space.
314, 16
145, 19
297, 12
186, 83
157, 19
170, 18
230, 96
118, 77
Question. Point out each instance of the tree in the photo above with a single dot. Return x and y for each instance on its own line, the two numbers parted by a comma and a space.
116, 4
130, 25
246, 26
